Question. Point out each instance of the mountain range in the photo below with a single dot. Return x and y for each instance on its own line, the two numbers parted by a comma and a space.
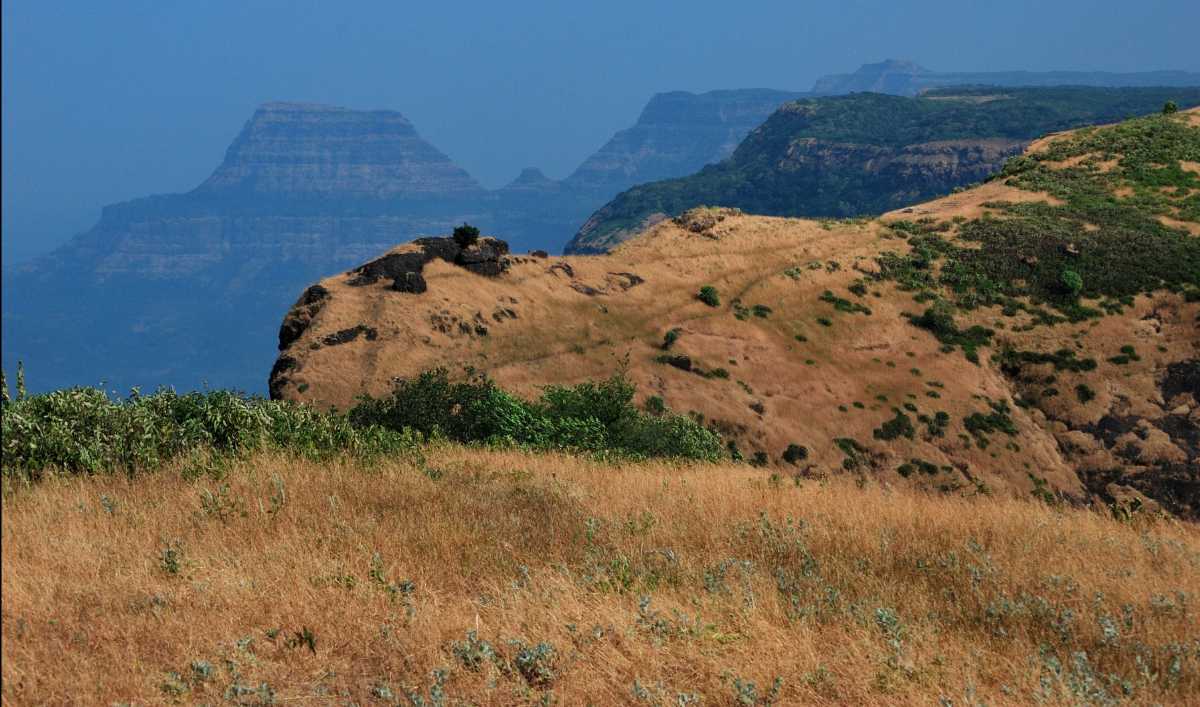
866, 153
184, 289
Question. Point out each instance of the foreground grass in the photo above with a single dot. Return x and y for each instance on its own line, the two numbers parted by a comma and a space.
501, 577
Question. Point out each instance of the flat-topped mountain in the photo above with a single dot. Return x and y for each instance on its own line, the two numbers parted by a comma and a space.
907, 78
1036, 334
867, 153
298, 150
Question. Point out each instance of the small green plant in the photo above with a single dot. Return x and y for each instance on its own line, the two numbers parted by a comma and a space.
670, 338
1085, 393
708, 295
304, 637
1169, 108
170, 559
1072, 283
535, 663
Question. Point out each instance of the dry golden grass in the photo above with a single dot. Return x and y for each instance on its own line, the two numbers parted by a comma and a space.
872, 595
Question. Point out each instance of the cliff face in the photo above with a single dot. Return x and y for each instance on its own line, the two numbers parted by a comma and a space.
676, 134
845, 156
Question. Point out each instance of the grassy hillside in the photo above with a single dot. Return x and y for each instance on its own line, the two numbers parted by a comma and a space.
1034, 335
452, 576
870, 153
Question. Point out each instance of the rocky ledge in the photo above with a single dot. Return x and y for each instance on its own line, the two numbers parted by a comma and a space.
403, 268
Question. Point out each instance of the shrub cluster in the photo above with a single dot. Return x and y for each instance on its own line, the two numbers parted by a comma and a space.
83, 430
589, 417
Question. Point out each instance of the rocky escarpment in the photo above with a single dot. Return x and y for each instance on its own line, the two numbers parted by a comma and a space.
676, 134
907, 78
868, 153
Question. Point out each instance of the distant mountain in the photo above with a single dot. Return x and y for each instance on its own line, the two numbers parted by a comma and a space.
906, 78
867, 153
184, 289
676, 134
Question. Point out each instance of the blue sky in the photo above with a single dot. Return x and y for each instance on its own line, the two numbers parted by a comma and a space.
109, 101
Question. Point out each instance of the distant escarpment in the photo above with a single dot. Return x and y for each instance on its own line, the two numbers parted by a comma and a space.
906, 78
868, 153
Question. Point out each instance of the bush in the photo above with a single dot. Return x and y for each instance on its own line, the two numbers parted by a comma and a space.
465, 235
708, 295
1071, 282
1169, 107
795, 453
83, 431
591, 417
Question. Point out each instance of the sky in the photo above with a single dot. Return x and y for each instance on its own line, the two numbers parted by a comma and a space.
105, 102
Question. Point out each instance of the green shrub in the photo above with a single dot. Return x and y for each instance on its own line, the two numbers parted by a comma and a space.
591, 417
899, 426
1085, 393
83, 430
1071, 282
465, 235
1169, 107
708, 295
795, 453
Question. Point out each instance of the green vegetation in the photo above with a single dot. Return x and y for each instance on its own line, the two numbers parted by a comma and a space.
770, 173
84, 431
465, 235
844, 305
708, 295
1012, 360
1085, 393
940, 321
795, 453
671, 337
899, 426
590, 417
980, 424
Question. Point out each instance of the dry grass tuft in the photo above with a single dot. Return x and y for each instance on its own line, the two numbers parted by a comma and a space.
502, 577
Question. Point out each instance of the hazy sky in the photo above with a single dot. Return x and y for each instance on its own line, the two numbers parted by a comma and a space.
108, 101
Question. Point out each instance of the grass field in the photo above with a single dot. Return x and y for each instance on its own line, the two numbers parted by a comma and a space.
459, 575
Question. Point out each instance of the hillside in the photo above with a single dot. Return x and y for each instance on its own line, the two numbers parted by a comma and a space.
869, 153
1036, 334
481, 576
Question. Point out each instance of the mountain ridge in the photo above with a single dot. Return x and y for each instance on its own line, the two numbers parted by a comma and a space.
1033, 334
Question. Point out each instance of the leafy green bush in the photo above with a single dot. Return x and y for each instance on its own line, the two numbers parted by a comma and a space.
591, 417
708, 295
1071, 282
83, 430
